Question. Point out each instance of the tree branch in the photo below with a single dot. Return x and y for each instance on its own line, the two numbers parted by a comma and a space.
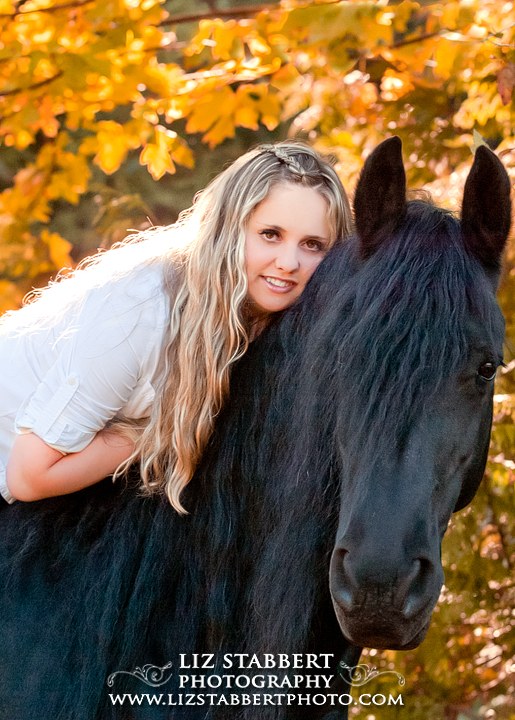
233, 12
501, 45
16, 91
425, 36
54, 8
428, 36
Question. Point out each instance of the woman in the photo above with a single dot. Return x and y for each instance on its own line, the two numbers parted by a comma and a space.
129, 359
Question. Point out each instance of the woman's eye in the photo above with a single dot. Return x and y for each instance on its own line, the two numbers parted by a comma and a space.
487, 371
269, 234
314, 245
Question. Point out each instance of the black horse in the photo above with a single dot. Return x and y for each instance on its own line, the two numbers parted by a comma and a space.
356, 426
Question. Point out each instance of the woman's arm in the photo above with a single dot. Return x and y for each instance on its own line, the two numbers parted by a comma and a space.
36, 471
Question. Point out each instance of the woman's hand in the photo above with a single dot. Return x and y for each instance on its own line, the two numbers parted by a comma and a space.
36, 471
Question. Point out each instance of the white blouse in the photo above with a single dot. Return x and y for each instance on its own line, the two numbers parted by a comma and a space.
99, 361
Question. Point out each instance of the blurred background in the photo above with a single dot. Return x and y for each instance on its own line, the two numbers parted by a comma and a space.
114, 113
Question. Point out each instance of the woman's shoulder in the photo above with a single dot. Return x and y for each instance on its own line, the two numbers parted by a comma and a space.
138, 294
145, 282
139, 271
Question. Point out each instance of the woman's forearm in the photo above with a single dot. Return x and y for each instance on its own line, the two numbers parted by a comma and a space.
36, 471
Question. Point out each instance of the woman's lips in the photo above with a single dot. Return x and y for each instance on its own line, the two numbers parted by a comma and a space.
278, 285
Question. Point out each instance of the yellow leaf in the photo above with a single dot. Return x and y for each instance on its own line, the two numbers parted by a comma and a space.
403, 13
415, 55
450, 15
445, 56
163, 79
258, 46
285, 78
376, 33
112, 149
59, 249
71, 180
89, 145
270, 109
223, 37
183, 155
197, 45
466, 15
158, 160
320, 23
246, 113
246, 117
222, 129
208, 109
176, 108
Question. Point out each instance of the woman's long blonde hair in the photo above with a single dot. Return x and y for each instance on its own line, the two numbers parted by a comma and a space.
205, 278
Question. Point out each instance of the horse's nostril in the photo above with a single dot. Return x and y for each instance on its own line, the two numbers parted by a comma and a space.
342, 581
345, 599
418, 587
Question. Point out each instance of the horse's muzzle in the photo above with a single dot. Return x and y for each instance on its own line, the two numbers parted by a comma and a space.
381, 604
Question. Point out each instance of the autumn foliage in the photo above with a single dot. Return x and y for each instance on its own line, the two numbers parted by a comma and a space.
86, 86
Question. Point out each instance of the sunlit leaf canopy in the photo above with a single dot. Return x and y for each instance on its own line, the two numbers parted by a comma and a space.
101, 102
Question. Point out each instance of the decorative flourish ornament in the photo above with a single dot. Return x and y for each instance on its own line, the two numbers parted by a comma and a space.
150, 674
358, 675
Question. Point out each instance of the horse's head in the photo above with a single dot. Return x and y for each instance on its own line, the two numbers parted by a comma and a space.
417, 342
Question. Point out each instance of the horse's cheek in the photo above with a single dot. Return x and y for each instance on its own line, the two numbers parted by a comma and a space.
466, 419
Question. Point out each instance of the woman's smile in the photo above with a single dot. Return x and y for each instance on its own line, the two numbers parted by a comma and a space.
277, 285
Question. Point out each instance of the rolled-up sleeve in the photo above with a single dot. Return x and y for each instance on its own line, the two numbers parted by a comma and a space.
99, 362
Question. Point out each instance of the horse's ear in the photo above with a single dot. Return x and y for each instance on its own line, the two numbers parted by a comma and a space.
380, 198
486, 209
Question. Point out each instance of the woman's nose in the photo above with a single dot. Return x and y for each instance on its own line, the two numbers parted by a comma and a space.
287, 259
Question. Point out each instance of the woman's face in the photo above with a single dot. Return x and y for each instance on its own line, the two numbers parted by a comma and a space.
287, 237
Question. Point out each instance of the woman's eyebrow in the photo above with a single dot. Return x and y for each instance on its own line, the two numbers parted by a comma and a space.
280, 229
271, 225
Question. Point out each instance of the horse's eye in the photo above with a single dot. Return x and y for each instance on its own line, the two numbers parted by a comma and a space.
487, 371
